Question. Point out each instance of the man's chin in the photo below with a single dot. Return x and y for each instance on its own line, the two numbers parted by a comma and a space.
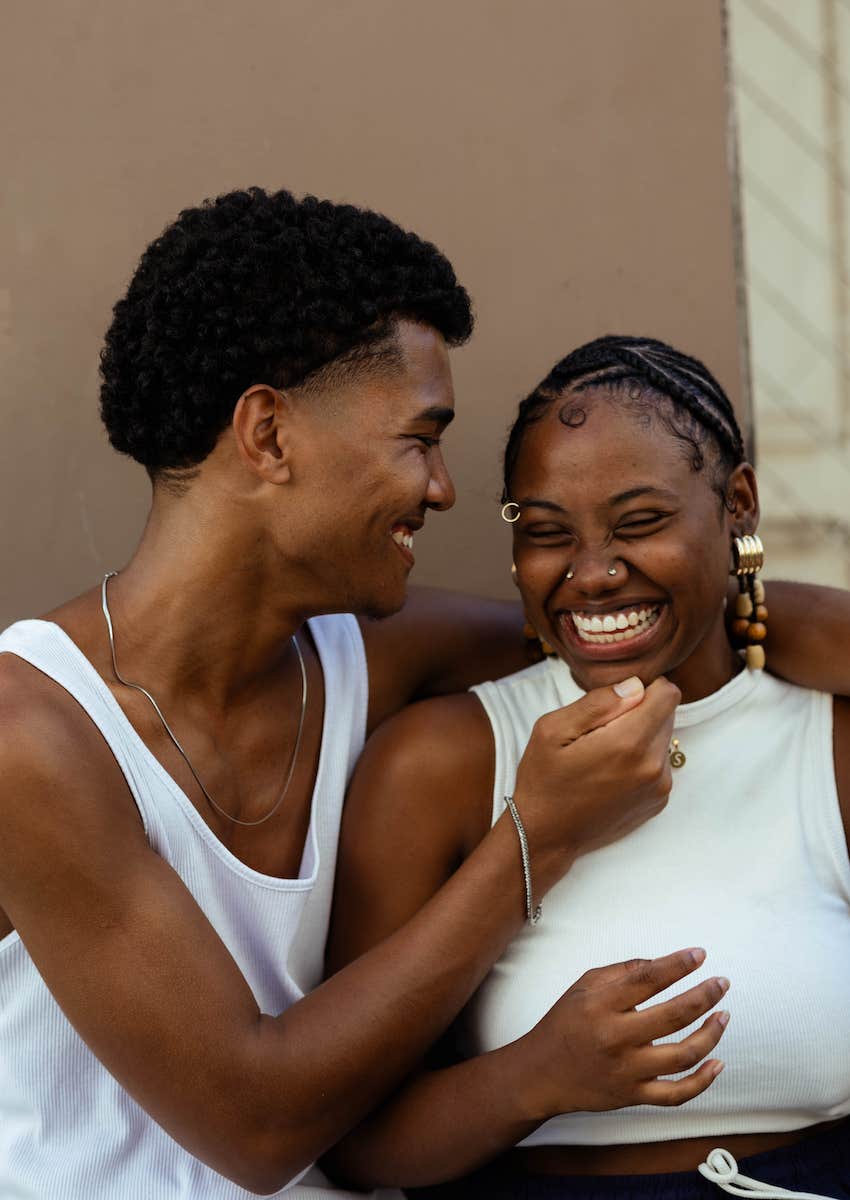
379, 610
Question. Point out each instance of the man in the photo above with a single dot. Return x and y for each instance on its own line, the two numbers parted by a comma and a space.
174, 744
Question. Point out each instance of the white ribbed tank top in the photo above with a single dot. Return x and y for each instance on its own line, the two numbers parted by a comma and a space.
749, 860
68, 1131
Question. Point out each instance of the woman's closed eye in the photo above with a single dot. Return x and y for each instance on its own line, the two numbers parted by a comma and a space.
547, 533
642, 524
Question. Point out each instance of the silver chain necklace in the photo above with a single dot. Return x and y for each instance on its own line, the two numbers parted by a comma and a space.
137, 687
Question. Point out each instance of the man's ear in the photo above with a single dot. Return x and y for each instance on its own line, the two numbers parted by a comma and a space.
262, 428
742, 500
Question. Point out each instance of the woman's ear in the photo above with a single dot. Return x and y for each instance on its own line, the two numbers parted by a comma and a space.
741, 500
262, 429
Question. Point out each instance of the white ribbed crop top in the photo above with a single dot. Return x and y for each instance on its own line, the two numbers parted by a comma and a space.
68, 1131
749, 860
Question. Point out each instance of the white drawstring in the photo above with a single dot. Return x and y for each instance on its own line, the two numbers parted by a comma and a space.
720, 1168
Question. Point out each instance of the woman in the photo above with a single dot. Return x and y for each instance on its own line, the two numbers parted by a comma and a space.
627, 488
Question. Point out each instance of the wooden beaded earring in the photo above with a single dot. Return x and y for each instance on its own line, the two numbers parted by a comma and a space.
750, 624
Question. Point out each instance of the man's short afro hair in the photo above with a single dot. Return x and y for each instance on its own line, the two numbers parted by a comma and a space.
257, 288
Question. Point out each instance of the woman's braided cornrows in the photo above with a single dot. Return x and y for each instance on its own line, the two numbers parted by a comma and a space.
653, 369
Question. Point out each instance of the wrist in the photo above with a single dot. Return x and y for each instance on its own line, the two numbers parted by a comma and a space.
548, 861
536, 1097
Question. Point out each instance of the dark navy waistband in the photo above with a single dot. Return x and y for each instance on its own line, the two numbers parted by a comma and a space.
818, 1163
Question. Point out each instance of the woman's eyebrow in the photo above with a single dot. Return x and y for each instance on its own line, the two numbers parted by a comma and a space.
531, 502
647, 490
620, 498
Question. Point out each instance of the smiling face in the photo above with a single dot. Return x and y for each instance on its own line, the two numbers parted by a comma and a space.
370, 470
616, 492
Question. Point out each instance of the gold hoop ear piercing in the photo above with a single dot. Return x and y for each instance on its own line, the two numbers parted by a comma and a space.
510, 504
750, 612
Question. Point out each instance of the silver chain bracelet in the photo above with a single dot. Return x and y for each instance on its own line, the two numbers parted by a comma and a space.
532, 912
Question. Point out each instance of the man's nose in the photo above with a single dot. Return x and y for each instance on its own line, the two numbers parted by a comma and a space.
441, 490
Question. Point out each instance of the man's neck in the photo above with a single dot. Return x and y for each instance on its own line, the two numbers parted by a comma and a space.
202, 607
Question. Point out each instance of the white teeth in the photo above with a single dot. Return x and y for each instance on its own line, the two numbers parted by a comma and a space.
403, 538
619, 627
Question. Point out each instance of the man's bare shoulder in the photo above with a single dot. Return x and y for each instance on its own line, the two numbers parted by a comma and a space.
49, 747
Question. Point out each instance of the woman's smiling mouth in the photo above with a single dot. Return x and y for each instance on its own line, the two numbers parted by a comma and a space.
615, 633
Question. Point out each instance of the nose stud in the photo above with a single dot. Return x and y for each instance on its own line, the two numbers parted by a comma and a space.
612, 570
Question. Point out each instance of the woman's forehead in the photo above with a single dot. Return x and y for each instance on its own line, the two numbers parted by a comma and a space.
587, 434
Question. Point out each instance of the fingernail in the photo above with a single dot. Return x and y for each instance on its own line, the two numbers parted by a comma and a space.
717, 1068
724, 983
723, 1018
696, 955
629, 687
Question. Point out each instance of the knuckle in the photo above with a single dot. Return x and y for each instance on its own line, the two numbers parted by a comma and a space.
644, 974
546, 728
647, 774
632, 964
687, 1057
682, 1013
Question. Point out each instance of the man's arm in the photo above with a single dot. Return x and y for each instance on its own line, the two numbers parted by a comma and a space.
147, 983
411, 815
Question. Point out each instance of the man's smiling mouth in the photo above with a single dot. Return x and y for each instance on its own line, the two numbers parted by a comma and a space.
402, 534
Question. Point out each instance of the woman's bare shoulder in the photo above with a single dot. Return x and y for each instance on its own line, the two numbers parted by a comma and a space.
440, 750
419, 802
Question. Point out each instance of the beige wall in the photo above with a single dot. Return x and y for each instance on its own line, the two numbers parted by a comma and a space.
568, 155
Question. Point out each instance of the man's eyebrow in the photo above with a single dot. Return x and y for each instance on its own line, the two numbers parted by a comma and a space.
438, 413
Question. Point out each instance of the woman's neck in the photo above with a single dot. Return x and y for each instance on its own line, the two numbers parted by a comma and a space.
708, 668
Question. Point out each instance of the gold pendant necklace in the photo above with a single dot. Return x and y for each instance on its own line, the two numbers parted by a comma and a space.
676, 756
